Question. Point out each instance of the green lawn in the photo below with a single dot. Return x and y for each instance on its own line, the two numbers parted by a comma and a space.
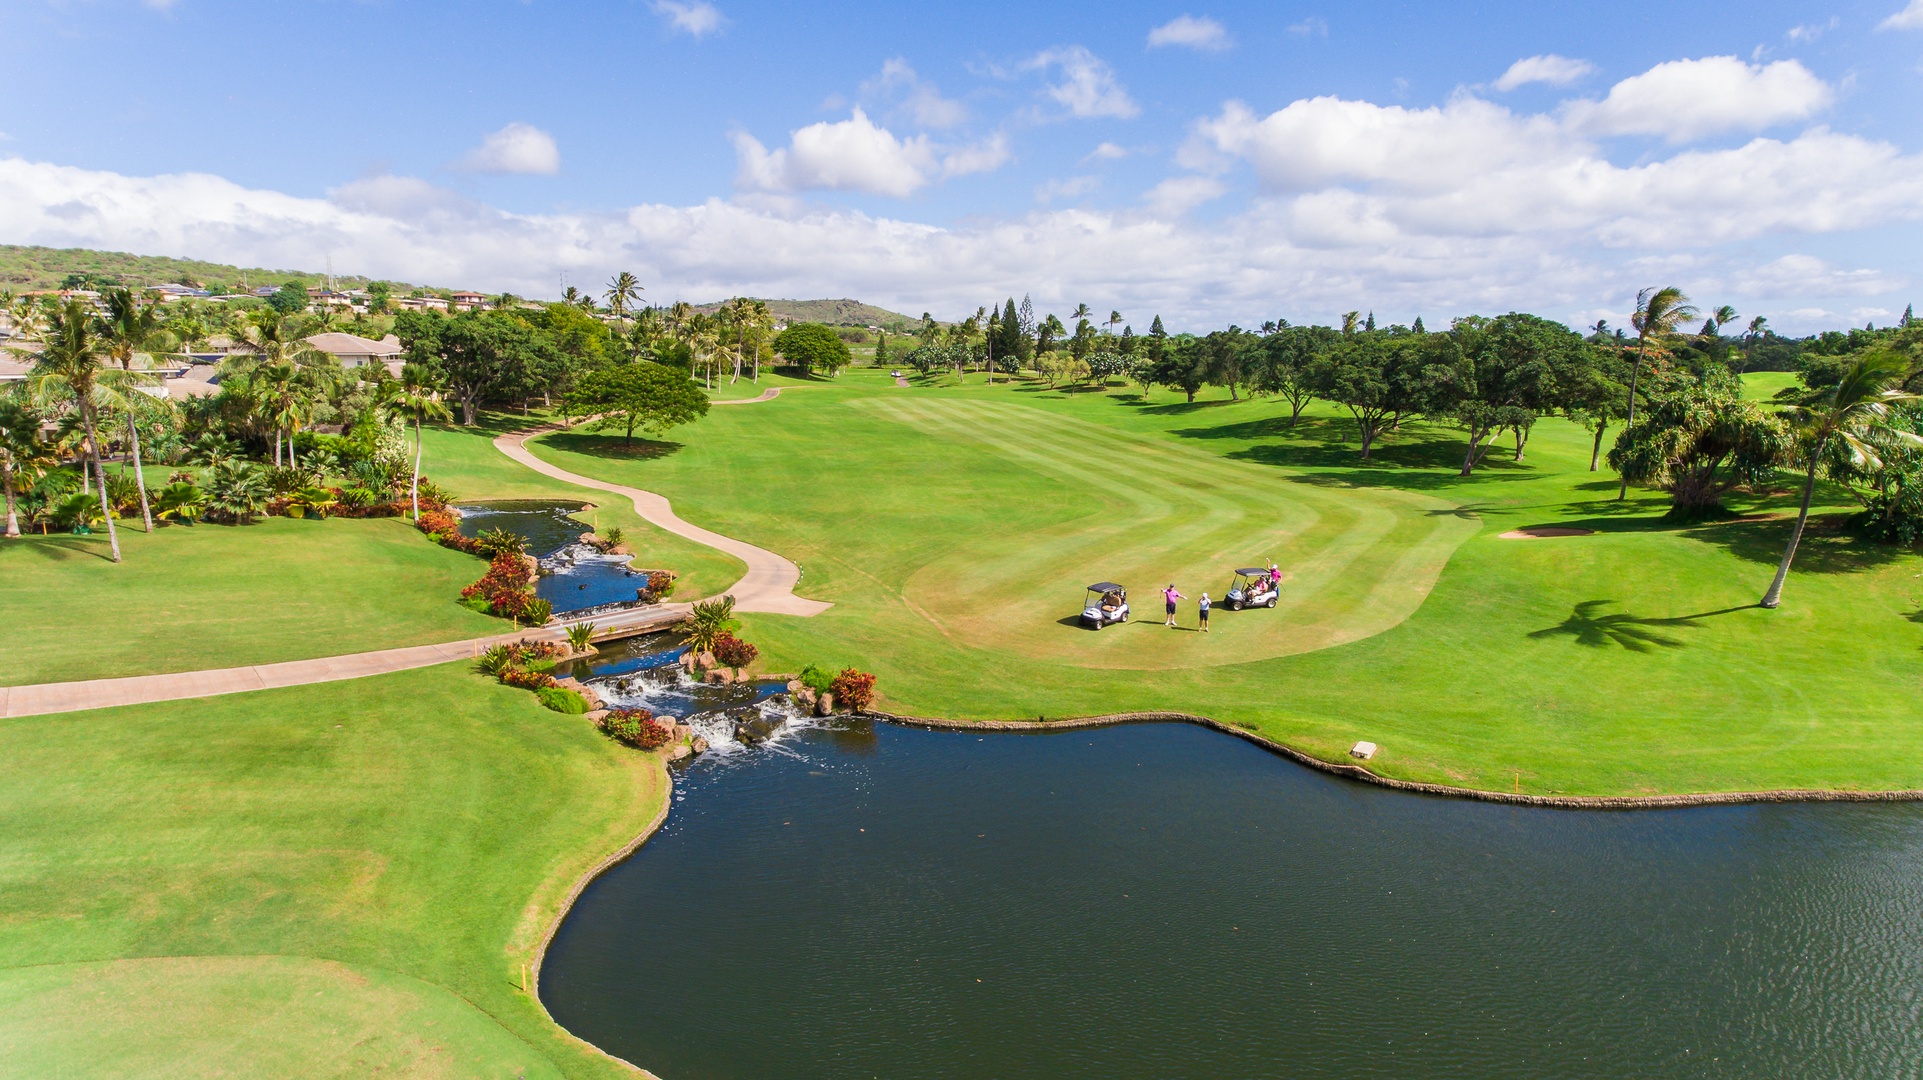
1763, 385
953, 528
210, 596
335, 880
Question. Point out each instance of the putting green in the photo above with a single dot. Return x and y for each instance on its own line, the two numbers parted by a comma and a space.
1356, 561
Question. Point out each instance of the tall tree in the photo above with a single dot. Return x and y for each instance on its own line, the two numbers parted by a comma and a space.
812, 346
20, 450
69, 364
1658, 313
1379, 376
128, 329
1851, 421
624, 291
1500, 374
642, 395
1287, 362
417, 397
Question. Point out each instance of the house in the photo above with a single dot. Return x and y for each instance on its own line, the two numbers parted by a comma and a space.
173, 291
422, 303
354, 351
468, 301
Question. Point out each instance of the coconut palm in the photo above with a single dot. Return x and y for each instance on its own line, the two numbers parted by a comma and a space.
417, 397
1851, 423
623, 292
1658, 313
70, 365
1114, 320
128, 329
22, 458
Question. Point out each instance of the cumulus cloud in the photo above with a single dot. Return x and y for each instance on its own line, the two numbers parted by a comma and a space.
1180, 194
1070, 187
1910, 18
517, 149
856, 154
1684, 100
1316, 250
1190, 31
1107, 151
696, 18
914, 97
1313, 26
1085, 85
1548, 68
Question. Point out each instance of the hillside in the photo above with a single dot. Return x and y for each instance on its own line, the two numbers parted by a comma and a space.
25, 268
832, 312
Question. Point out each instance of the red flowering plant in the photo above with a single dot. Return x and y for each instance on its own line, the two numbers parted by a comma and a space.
507, 586
732, 652
638, 728
854, 689
527, 680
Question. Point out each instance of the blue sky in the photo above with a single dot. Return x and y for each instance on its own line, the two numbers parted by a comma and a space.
1223, 162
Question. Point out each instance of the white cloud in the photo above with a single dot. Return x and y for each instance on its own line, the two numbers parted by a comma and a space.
160, 5
1548, 68
1087, 87
1190, 31
1795, 276
1107, 151
517, 149
697, 18
1809, 32
856, 154
1683, 100
1313, 26
1910, 18
1072, 187
1180, 194
920, 101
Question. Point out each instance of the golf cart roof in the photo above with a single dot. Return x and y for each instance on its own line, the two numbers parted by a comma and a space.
1254, 571
1106, 586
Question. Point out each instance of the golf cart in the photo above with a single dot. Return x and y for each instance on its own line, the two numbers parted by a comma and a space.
1251, 588
1107, 603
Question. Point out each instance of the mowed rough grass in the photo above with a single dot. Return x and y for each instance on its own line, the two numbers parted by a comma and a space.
1355, 562
1632, 661
185, 598
333, 880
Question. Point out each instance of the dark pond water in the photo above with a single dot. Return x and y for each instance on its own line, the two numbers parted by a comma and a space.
574, 576
1166, 901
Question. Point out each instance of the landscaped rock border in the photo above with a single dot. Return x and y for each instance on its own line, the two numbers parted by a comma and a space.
1357, 772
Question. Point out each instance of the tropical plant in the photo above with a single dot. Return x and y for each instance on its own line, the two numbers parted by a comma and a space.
853, 689
22, 458
1850, 422
816, 678
536, 612
1658, 313
495, 661
181, 500
733, 653
496, 542
69, 366
237, 491
637, 728
313, 500
707, 621
359, 498
615, 536
580, 636
562, 700
128, 329
623, 292
417, 397
1699, 443
76, 511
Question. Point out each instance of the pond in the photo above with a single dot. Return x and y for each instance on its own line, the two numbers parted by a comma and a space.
1167, 901
574, 576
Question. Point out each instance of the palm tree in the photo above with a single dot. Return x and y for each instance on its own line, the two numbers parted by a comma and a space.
1850, 421
1756, 327
20, 451
1658, 313
69, 364
417, 397
707, 621
1722, 317
623, 292
1114, 320
128, 329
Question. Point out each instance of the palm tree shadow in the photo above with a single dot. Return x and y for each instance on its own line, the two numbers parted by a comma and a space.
1633, 632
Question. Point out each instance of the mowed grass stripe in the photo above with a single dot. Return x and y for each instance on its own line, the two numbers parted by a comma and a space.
1358, 560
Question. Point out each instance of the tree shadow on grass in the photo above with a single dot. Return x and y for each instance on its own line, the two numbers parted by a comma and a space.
62, 547
610, 445
1636, 633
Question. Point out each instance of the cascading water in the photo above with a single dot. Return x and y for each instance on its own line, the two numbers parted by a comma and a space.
646, 672
576, 578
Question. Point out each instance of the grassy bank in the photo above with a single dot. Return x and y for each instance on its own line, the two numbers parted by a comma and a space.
953, 528
336, 880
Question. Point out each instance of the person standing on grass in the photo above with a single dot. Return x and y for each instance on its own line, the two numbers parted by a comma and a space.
1169, 597
1205, 612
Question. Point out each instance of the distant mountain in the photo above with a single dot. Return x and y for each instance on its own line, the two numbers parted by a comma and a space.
27, 268
832, 312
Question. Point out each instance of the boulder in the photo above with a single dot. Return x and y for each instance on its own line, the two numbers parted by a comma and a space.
805, 697
758, 730
595, 716
794, 686
683, 731
825, 705
687, 660
718, 677
680, 751
704, 661
698, 744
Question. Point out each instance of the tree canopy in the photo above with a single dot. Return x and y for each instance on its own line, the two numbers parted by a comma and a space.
643, 395
812, 347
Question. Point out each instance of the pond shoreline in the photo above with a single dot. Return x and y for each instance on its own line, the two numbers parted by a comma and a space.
1416, 787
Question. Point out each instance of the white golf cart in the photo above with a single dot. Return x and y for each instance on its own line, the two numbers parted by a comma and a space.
1107, 603
1251, 588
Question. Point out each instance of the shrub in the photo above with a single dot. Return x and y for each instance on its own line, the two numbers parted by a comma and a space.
660, 582
637, 728
580, 636
817, 678
359, 498
527, 680
495, 661
732, 652
477, 603
615, 535
536, 612
855, 689
438, 523
497, 542
562, 700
